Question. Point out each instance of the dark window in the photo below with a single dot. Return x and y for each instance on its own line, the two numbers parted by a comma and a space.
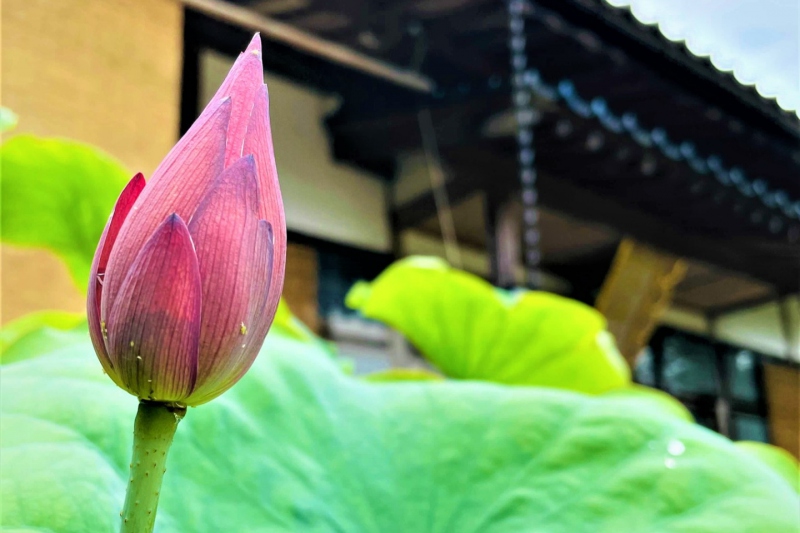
721, 385
339, 267
690, 367
645, 372
742, 376
750, 427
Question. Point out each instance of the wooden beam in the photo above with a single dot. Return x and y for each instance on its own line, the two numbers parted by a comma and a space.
645, 176
743, 305
482, 167
331, 51
385, 135
561, 195
636, 292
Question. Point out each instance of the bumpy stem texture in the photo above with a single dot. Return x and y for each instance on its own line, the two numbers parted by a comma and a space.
152, 436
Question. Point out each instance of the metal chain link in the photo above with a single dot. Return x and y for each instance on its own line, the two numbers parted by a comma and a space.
525, 116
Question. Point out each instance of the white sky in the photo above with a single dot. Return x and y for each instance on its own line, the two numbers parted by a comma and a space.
758, 40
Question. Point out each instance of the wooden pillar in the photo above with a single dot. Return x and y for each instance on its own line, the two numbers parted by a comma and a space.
105, 72
635, 293
782, 385
301, 286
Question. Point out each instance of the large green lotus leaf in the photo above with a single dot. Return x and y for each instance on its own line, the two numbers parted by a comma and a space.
667, 403
403, 374
297, 446
57, 194
776, 458
37, 333
470, 330
290, 323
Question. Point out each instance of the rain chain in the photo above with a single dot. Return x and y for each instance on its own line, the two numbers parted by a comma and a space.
525, 116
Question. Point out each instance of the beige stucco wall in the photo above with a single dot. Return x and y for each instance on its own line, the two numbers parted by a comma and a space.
758, 328
106, 72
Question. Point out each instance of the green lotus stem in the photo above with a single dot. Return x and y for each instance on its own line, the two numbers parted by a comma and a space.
152, 436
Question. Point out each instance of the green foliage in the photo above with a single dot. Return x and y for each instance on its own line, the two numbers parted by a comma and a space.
403, 374
470, 330
299, 446
38, 332
776, 458
668, 405
58, 195
290, 323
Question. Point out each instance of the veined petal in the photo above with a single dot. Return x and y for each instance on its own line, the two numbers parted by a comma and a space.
241, 85
260, 257
261, 310
254, 48
154, 327
258, 142
177, 186
264, 260
224, 230
123, 206
247, 79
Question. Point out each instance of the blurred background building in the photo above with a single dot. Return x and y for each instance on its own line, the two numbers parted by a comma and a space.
663, 189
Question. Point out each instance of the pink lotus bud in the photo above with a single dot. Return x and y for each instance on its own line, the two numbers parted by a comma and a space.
188, 273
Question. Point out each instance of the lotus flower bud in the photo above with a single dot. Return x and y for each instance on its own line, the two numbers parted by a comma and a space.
188, 273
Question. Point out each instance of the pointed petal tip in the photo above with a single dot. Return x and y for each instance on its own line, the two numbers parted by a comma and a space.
255, 44
133, 188
242, 167
125, 202
173, 222
217, 109
221, 104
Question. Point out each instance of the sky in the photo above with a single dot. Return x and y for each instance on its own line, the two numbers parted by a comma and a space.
757, 40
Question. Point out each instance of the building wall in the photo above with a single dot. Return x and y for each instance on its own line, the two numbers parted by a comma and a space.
106, 72
761, 329
758, 328
413, 177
